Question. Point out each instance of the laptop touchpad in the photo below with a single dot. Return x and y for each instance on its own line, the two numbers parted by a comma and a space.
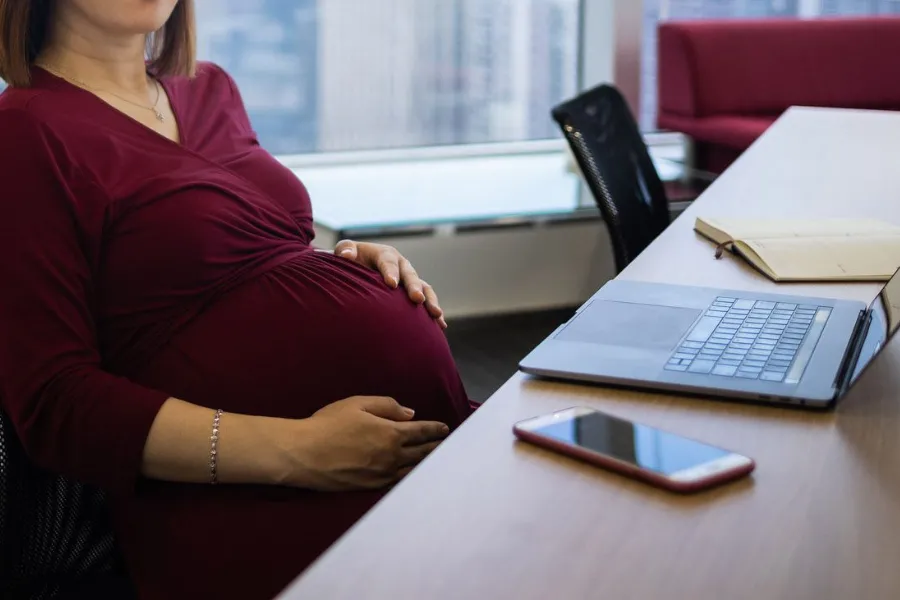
645, 326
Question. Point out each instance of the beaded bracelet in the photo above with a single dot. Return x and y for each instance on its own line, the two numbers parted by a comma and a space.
214, 449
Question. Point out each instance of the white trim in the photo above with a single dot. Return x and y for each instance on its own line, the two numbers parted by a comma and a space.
462, 151
328, 159
656, 139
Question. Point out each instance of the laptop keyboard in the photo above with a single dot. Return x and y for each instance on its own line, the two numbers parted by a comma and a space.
747, 338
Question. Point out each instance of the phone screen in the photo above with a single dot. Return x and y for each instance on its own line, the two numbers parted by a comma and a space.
640, 445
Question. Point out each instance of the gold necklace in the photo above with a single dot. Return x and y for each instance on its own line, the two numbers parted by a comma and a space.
156, 112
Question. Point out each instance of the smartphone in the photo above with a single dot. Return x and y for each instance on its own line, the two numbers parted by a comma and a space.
658, 457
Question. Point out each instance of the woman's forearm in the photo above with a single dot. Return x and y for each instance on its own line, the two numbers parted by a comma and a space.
251, 450
361, 442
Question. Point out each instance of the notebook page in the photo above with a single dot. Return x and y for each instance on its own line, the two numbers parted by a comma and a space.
764, 229
870, 258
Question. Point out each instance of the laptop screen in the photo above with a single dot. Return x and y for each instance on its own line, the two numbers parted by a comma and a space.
885, 310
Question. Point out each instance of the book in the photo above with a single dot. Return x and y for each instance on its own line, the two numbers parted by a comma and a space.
809, 250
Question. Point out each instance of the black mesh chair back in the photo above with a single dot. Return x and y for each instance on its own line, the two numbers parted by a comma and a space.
616, 165
55, 536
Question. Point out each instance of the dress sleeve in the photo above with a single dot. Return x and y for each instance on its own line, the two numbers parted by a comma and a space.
72, 417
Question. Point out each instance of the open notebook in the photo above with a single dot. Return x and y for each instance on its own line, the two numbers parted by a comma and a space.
810, 250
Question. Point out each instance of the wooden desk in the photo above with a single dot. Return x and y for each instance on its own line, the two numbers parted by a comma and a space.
488, 518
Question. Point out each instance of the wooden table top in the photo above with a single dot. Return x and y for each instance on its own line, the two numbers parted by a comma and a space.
487, 517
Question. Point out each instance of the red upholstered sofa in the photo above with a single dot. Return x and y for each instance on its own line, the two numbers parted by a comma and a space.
724, 82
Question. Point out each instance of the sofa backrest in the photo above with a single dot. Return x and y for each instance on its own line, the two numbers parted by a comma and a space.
765, 66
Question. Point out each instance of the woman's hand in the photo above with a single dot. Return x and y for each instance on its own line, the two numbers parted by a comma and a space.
361, 443
396, 271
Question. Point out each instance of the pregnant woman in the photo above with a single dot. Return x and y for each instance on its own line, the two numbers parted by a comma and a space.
168, 332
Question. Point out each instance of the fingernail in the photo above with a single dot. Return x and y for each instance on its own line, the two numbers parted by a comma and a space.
346, 252
445, 430
409, 412
392, 282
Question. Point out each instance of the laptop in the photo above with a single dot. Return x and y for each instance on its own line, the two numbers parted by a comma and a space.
761, 347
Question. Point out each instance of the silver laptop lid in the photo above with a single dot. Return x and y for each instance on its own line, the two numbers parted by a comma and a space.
885, 321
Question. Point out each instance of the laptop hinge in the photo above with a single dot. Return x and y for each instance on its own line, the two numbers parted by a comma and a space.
854, 348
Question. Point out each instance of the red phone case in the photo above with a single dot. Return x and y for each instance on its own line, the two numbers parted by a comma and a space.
631, 470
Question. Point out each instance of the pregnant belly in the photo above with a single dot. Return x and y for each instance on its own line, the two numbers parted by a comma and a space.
284, 344
308, 333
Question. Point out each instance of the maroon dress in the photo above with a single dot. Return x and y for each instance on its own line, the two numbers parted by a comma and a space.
135, 269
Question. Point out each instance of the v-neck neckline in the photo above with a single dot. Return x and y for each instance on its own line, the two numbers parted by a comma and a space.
164, 88
58, 83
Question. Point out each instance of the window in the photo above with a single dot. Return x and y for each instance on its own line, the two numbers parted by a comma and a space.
658, 10
342, 75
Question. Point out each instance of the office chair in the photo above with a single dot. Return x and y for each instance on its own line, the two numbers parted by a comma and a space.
55, 537
616, 165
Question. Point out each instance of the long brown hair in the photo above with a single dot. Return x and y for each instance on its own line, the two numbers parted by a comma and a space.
23, 32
